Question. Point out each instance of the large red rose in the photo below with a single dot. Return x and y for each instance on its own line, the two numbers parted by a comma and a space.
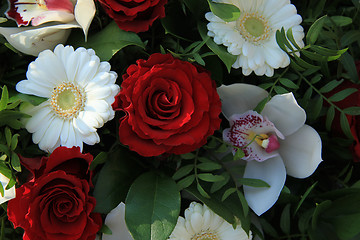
134, 15
55, 203
354, 121
171, 106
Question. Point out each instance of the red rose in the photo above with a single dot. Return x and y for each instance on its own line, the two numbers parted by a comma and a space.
171, 106
55, 203
134, 15
354, 121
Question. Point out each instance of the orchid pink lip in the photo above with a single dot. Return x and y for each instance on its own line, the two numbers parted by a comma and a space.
23, 14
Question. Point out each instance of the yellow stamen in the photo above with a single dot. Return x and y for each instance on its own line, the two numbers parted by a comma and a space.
254, 27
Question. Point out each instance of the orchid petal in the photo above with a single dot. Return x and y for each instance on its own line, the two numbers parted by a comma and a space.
301, 152
52, 16
33, 40
272, 171
285, 113
239, 97
115, 220
84, 14
8, 194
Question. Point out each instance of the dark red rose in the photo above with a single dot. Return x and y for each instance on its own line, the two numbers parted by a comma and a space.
134, 15
354, 121
171, 106
55, 203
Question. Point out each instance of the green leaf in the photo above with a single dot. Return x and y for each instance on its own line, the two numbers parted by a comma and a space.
223, 148
303, 197
15, 162
280, 90
268, 228
327, 52
349, 64
304, 220
340, 21
214, 204
105, 230
8, 136
316, 108
329, 117
11, 183
342, 94
186, 182
314, 30
320, 208
261, 106
253, 182
227, 193
290, 36
330, 86
14, 141
216, 186
344, 123
99, 159
2, 191
33, 100
208, 177
114, 179
110, 40
227, 58
316, 78
243, 202
209, 166
226, 12
352, 110
183, 171
239, 154
4, 98
202, 191
152, 207
288, 83
5, 170
285, 220
350, 37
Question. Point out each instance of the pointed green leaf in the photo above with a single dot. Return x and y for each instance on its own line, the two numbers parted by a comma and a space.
303, 197
252, 182
315, 30
208, 177
288, 83
285, 220
342, 94
186, 182
226, 12
15, 162
344, 123
4, 98
183, 171
330, 86
352, 110
202, 191
227, 193
330, 117
209, 166
152, 207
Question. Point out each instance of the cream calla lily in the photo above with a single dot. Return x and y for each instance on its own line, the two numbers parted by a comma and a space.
276, 142
51, 23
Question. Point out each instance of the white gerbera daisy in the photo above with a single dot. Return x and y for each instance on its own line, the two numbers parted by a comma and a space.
80, 90
200, 223
252, 36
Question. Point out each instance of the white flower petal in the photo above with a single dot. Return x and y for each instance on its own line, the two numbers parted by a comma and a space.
33, 40
8, 194
43, 113
51, 135
84, 13
238, 98
301, 152
91, 138
28, 87
115, 220
285, 113
271, 171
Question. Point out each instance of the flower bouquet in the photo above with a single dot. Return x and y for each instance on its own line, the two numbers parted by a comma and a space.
179, 119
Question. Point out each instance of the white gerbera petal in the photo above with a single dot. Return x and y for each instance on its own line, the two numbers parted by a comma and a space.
301, 152
115, 220
253, 30
8, 194
72, 112
238, 98
202, 223
273, 172
285, 113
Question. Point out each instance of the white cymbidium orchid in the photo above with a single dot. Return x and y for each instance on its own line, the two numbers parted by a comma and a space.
9, 193
275, 142
51, 22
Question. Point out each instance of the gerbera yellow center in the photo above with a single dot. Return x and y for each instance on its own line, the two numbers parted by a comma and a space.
67, 100
254, 27
205, 236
